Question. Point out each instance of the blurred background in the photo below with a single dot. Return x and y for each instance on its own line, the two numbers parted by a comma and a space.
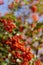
23, 10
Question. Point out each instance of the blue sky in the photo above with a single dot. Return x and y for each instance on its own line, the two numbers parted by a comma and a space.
4, 7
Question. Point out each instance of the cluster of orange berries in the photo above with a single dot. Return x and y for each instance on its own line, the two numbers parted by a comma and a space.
20, 52
17, 46
8, 25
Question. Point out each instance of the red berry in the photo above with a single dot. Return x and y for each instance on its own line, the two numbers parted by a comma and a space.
1, 2
34, 8
38, 62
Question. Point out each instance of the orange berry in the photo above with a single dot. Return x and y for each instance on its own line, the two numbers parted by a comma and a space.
1, 2
16, 1
35, 17
11, 6
34, 8
38, 62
